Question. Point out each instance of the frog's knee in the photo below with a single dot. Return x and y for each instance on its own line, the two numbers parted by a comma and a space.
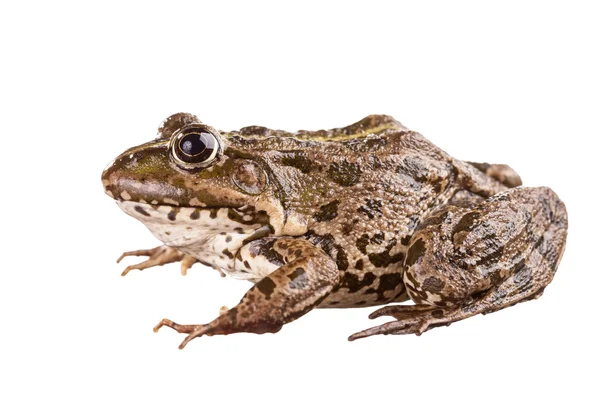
430, 277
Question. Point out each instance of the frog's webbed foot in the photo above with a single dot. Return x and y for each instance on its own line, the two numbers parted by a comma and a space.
160, 255
474, 260
307, 276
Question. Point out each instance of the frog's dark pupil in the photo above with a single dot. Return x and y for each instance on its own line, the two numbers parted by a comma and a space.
192, 144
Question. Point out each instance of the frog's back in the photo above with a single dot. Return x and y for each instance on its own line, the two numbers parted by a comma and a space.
362, 191
384, 186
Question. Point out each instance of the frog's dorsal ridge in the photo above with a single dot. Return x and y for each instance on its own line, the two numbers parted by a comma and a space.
372, 124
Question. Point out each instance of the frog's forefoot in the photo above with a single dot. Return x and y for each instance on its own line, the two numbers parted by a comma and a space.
287, 293
160, 255
227, 323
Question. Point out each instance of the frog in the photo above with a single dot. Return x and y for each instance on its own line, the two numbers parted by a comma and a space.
371, 214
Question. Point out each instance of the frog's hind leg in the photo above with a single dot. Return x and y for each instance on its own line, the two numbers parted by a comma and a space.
465, 261
306, 277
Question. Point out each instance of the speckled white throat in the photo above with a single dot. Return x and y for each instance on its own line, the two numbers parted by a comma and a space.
210, 235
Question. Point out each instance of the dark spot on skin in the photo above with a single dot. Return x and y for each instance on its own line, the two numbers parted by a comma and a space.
298, 253
213, 213
298, 278
405, 240
384, 258
437, 313
415, 252
299, 161
362, 242
172, 214
341, 259
360, 303
327, 212
496, 277
247, 265
354, 284
433, 220
266, 250
228, 253
359, 265
228, 238
266, 286
466, 223
415, 168
195, 214
433, 284
344, 173
378, 238
328, 245
388, 282
238, 229
523, 276
347, 229
371, 208
141, 211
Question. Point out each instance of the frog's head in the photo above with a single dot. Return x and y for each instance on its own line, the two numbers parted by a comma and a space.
190, 178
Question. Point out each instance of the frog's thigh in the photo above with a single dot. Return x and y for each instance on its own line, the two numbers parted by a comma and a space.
469, 260
306, 277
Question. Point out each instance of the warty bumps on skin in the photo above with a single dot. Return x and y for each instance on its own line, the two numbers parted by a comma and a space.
369, 214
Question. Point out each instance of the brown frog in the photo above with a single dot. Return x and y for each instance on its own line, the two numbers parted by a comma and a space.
369, 214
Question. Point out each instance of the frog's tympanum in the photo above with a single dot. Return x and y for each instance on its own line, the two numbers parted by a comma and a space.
369, 214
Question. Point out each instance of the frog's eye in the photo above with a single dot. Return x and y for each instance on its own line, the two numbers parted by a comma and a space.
194, 146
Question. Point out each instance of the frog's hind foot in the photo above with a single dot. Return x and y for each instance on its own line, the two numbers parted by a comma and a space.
160, 255
410, 319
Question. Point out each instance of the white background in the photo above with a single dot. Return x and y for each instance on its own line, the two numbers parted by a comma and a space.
515, 83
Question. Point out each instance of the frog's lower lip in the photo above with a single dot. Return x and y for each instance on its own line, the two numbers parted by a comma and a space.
242, 216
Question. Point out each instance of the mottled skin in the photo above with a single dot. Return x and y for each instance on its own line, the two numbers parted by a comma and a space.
368, 214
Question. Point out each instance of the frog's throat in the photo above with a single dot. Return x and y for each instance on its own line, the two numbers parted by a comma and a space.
212, 235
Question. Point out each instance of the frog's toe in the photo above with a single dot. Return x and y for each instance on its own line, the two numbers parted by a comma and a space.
393, 328
175, 326
160, 255
402, 311
414, 319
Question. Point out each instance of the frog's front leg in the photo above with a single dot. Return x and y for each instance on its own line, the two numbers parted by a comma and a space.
476, 259
158, 256
307, 275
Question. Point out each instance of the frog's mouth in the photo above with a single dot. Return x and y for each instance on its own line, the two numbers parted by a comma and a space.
212, 235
